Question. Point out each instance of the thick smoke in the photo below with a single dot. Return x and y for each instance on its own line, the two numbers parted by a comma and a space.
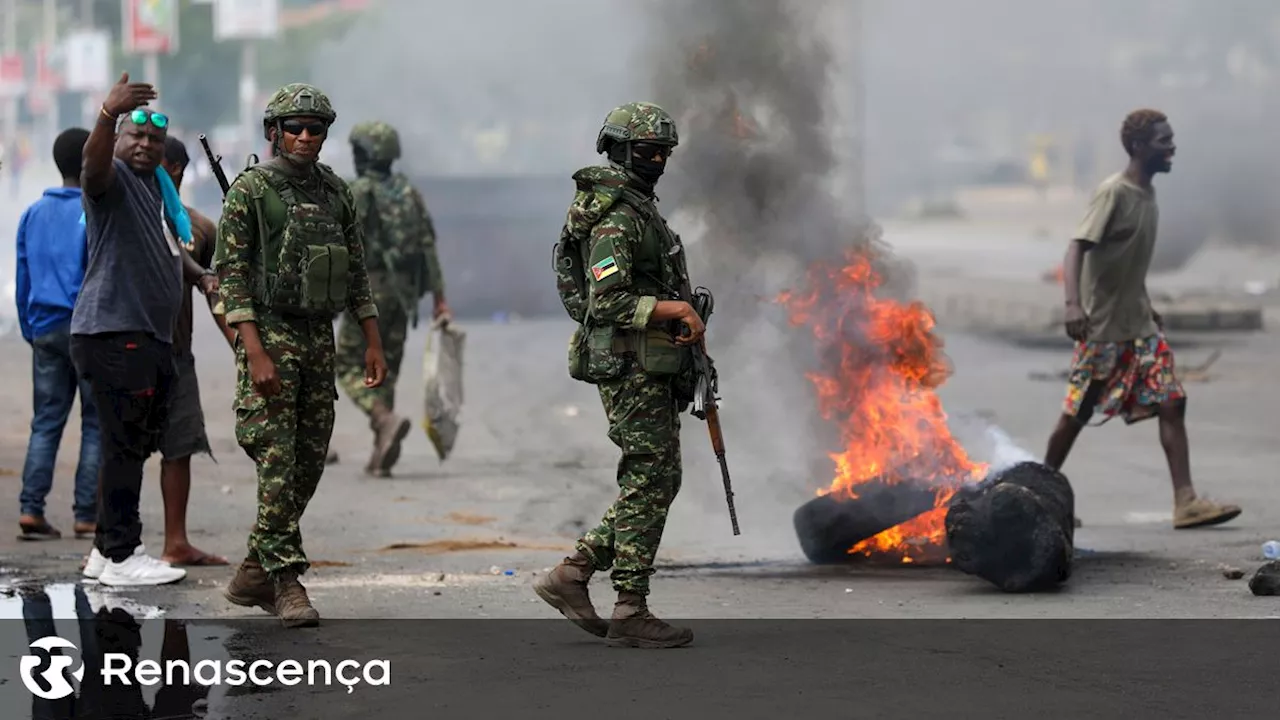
755, 189
751, 85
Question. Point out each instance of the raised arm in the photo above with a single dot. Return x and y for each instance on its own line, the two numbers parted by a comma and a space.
98, 171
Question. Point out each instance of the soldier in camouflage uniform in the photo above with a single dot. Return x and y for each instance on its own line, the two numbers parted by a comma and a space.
632, 343
400, 252
289, 257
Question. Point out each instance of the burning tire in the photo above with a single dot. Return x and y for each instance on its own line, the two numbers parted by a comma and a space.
828, 526
1015, 529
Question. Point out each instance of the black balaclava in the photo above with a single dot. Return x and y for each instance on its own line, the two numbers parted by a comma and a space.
360, 157
640, 156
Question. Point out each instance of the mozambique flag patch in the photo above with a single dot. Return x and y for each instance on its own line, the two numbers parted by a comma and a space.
604, 268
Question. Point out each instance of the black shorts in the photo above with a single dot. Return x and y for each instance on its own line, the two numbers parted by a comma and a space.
184, 433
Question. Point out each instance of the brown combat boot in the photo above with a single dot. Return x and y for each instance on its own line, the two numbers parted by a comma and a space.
634, 626
292, 604
565, 589
252, 587
389, 430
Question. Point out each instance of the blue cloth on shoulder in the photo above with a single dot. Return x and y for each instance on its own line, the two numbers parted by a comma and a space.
173, 207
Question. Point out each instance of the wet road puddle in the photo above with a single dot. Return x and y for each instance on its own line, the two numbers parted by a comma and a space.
59, 638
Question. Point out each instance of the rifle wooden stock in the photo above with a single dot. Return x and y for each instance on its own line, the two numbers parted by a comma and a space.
717, 445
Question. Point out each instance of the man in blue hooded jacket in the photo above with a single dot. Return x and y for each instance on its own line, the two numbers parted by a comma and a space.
51, 263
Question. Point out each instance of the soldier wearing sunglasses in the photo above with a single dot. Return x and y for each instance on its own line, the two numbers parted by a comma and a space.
290, 255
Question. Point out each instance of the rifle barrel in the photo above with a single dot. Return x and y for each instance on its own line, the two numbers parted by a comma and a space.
728, 492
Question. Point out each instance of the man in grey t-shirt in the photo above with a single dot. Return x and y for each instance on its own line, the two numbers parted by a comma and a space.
122, 325
1122, 365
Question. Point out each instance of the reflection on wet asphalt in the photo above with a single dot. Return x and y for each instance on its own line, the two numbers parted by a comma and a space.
65, 634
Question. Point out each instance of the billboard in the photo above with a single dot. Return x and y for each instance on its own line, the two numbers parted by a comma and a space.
150, 26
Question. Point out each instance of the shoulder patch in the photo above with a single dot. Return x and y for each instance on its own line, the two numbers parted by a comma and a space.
604, 268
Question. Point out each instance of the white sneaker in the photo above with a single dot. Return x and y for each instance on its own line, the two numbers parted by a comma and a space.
140, 569
95, 564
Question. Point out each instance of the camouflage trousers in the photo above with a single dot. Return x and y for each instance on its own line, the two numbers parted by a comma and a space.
287, 435
393, 326
644, 423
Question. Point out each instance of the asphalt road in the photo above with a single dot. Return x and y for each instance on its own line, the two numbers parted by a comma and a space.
533, 467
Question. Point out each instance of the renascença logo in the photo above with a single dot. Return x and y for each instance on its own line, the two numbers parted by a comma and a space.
53, 675
119, 668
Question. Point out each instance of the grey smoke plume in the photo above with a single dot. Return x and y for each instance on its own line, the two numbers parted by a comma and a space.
751, 84
754, 188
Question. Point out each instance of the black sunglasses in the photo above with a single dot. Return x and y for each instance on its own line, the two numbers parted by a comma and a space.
295, 127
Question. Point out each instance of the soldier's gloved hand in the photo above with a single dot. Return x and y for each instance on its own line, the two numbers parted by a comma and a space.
262, 372
375, 367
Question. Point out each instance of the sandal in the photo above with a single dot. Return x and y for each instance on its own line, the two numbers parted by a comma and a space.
1202, 512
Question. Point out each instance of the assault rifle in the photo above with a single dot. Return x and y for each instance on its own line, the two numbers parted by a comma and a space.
215, 164
705, 402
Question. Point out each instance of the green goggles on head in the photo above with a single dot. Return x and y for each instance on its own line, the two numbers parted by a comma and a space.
141, 117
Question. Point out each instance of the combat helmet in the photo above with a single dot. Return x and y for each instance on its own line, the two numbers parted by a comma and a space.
378, 139
637, 122
297, 100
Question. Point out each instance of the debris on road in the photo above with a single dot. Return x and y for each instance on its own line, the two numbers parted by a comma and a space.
1266, 581
1015, 529
462, 518
1231, 573
448, 546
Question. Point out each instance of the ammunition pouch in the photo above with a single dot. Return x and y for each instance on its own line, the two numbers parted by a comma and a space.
593, 355
313, 265
654, 349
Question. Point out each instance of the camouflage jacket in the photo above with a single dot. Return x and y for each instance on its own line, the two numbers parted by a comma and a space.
399, 234
632, 258
239, 257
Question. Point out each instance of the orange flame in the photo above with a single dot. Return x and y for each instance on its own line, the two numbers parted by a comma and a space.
881, 366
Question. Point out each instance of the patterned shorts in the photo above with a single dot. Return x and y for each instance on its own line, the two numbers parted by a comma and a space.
1136, 377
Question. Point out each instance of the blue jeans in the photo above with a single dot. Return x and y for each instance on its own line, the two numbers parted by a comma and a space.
56, 384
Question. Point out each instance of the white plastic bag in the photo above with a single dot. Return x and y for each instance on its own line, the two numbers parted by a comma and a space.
442, 385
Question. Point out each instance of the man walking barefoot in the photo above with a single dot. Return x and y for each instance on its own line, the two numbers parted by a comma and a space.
1122, 364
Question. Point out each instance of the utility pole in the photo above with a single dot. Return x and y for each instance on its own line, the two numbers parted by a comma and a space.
249, 120
11, 103
89, 104
51, 42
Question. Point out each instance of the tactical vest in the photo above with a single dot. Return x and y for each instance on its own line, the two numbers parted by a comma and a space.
394, 232
600, 352
305, 262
